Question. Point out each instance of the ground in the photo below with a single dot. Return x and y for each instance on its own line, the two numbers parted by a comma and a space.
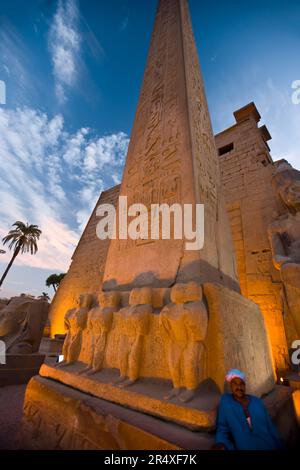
11, 407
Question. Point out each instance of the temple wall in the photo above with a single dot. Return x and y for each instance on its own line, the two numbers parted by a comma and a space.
246, 175
86, 270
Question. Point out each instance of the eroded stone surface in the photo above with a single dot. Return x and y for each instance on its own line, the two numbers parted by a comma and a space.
22, 323
86, 270
59, 417
69, 419
184, 324
146, 395
76, 322
247, 169
172, 159
237, 338
99, 323
284, 234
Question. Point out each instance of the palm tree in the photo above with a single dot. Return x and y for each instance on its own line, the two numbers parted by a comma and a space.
23, 238
54, 280
44, 296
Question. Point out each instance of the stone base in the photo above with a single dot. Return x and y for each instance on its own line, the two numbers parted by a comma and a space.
293, 379
237, 338
19, 368
146, 395
283, 405
51, 346
58, 417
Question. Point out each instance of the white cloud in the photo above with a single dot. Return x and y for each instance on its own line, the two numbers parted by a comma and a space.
64, 45
6, 69
2, 92
53, 178
17, 61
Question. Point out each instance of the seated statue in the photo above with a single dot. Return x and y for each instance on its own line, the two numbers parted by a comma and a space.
134, 326
99, 324
184, 323
284, 235
22, 323
75, 323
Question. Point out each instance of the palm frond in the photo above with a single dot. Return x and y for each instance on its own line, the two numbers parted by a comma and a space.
24, 237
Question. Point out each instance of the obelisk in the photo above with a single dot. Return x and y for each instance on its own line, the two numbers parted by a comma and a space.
172, 158
178, 320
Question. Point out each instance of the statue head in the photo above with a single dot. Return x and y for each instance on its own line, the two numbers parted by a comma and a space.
141, 296
189, 292
286, 184
85, 300
109, 299
22, 323
12, 316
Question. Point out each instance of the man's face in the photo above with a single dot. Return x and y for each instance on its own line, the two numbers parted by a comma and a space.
238, 388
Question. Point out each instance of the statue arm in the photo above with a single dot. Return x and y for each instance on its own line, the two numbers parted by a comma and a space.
82, 320
278, 250
196, 320
164, 322
109, 321
143, 324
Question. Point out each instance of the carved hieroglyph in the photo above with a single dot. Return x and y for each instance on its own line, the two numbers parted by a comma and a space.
22, 323
284, 234
184, 322
134, 326
75, 321
99, 323
172, 159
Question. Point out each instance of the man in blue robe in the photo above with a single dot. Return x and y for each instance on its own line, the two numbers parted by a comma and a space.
243, 422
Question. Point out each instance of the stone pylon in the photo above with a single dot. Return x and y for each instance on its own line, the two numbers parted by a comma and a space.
172, 158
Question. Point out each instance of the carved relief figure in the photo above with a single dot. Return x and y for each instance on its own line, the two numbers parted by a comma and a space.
75, 322
184, 323
22, 323
99, 324
134, 326
284, 235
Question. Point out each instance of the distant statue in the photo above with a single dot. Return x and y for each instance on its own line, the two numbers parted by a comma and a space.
184, 322
22, 323
284, 235
75, 323
134, 326
99, 324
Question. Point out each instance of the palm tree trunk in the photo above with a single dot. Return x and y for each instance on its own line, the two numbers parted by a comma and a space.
54, 287
16, 252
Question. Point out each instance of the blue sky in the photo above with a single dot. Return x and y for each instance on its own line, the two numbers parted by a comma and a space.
73, 71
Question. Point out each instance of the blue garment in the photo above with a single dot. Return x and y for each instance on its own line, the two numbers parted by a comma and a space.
233, 429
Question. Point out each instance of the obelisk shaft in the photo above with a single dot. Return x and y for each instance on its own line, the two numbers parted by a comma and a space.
171, 159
